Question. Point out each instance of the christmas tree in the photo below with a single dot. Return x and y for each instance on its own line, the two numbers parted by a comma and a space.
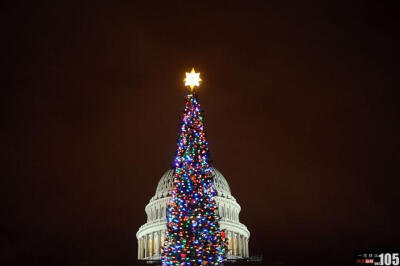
193, 236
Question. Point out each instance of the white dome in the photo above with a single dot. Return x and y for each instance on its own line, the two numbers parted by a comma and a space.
151, 235
165, 184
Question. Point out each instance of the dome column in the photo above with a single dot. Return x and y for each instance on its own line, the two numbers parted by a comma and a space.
237, 244
145, 246
142, 248
243, 247
240, 246
152, 244
158, 243
247, 247
139, 248
234, 244
141, 256
230, 242
149, 245
161, 240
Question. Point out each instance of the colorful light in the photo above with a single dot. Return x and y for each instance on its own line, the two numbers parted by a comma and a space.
193, 236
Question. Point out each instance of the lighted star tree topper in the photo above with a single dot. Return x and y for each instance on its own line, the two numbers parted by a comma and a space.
192, 79
193, 235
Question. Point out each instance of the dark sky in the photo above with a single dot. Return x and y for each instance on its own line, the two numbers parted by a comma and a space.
301, 111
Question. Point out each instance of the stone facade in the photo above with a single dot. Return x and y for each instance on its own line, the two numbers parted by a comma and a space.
151, 235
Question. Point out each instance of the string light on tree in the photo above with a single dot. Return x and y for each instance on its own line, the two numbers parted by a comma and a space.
193, 233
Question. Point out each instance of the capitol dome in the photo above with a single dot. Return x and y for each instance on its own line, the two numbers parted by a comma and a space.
151, 235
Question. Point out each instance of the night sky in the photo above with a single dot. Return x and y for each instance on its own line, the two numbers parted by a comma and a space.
301, 111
